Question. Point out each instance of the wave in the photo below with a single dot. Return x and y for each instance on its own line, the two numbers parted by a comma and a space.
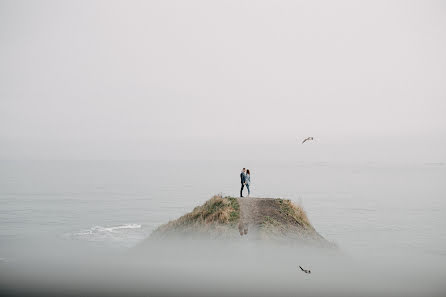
120, 235
99, 229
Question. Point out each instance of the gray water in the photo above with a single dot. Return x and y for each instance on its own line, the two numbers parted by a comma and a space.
368, 210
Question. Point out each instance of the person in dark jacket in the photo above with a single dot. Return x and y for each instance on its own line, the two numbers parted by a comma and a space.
243, 181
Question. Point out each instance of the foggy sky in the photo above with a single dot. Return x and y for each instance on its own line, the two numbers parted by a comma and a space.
223, 80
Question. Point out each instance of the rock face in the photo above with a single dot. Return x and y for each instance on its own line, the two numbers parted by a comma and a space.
254, 218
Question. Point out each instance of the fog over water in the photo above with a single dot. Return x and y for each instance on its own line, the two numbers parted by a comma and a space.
118, 116
68, 224
198, 79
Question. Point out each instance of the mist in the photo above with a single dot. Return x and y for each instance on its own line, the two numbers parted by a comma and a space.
197, 80
219, 268
119, 116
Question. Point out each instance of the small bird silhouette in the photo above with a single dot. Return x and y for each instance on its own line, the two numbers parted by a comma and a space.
306, 139
304, 270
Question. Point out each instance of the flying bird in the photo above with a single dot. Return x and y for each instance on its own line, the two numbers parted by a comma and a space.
304, 270
306, 139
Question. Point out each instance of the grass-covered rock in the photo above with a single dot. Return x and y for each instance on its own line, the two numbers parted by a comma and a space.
228, 217
215, 218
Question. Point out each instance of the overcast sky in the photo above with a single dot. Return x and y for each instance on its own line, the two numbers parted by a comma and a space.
223, 80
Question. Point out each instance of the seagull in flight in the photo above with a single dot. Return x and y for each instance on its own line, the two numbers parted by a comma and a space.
304, 270
306, 139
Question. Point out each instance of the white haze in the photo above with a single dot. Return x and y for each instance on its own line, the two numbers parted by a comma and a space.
203, 268
203, 79
222, 80
73, 228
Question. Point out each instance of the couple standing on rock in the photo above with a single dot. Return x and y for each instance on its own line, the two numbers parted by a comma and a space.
245, 178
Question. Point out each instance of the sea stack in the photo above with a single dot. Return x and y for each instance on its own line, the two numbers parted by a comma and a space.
269, 219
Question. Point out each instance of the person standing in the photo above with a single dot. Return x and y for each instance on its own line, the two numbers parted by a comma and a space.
248, 180
243, 181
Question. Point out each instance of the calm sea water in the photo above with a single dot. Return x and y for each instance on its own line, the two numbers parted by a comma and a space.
116, 204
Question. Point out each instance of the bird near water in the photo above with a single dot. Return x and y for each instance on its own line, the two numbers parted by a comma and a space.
306, 139
305, 270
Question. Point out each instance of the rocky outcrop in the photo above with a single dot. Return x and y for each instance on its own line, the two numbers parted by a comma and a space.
253, 218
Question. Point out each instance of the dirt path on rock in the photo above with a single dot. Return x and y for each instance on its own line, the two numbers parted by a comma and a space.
253, 212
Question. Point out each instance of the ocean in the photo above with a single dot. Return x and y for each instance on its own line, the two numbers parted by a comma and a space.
366, 209
118, 203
